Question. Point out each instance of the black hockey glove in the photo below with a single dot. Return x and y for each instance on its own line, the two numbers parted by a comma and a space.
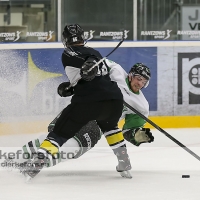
87, 65
138, 136
63, 91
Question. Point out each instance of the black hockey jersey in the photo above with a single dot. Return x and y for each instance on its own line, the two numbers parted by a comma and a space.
98, 89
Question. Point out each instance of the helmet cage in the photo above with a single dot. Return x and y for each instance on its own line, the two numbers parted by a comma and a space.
139, 69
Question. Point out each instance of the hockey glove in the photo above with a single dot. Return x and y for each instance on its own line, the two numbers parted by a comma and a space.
138, 136
63, 91
87, 65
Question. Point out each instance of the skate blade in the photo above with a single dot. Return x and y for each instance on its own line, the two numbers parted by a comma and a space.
27, 178
126, 174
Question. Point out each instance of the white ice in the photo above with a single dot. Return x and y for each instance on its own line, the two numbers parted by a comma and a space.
157, 170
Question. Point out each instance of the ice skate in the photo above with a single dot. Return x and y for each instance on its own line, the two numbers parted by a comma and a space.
123, 169
32, 168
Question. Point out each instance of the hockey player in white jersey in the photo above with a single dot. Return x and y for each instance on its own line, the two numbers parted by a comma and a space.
133, 131
131, 85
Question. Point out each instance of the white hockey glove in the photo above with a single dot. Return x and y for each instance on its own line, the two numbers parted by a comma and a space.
138, 136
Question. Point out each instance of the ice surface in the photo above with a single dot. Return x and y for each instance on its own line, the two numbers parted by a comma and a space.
157, 170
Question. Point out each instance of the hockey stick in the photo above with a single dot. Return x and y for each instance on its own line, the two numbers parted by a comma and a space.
163, 131
100, 61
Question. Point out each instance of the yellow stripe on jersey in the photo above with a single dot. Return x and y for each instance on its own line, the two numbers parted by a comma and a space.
115, 138
51, 148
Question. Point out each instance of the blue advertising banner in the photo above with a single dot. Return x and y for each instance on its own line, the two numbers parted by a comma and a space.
29, 78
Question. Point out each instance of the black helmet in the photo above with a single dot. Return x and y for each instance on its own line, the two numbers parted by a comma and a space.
142, 70
73, 34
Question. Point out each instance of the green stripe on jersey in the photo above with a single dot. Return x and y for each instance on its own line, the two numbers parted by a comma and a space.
133, 121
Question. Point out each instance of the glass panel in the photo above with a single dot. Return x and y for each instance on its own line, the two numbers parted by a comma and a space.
28, 21
101, 20
168, 19
157, 20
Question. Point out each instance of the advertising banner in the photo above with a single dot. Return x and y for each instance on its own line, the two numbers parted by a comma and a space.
29, 79
21, 34
28, 82
179, 81
190, 23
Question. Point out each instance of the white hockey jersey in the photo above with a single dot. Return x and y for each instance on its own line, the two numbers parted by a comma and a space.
137, 101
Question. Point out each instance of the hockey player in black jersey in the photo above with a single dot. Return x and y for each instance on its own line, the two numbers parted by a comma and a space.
95, 97
133, 131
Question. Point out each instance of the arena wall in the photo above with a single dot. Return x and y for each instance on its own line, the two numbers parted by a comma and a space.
31, 72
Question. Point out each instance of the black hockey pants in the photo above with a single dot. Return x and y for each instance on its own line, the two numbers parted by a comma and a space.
76, 115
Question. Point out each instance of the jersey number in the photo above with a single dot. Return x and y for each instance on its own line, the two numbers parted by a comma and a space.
74, 39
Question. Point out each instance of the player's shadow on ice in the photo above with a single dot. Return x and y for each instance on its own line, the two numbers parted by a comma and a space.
80, 176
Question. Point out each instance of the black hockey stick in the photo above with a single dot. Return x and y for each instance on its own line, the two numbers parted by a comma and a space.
116, 47
100, 61
162, 131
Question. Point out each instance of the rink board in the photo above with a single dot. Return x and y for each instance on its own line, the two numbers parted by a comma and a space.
28, 81
41, 126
